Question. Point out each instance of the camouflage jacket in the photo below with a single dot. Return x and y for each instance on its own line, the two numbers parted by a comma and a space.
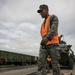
53, 27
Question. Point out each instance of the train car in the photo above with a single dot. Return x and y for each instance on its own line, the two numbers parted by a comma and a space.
16, 58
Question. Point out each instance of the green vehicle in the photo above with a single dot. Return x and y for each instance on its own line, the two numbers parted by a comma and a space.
67, 58
9, 58
67, 55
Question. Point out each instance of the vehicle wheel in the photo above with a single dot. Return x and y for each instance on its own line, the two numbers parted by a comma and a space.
71, 64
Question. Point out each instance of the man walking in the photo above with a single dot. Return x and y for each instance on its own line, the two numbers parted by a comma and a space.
49, 43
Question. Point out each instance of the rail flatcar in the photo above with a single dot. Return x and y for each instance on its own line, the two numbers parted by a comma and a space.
16, 58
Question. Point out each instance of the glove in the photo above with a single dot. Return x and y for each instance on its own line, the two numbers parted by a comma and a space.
44, 41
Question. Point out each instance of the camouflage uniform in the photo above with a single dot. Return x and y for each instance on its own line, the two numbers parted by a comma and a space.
50, 49
48, 63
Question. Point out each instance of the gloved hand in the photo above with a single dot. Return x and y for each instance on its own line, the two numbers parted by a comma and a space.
44, 41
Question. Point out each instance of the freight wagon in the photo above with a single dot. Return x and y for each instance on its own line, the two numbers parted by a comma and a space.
16, 58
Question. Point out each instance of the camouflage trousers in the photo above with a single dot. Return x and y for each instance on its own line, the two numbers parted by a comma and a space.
52, 50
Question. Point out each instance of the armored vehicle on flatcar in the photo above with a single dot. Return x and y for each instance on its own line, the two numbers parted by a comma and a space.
66, 53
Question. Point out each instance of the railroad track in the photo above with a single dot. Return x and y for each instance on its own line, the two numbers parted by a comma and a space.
12, 67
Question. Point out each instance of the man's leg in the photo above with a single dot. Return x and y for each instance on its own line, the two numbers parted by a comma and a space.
55, 59
48, 67
42, 60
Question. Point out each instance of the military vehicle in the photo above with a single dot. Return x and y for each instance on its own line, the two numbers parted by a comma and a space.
67, 58
66, 53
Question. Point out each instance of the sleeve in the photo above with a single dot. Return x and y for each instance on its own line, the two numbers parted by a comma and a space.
53, 26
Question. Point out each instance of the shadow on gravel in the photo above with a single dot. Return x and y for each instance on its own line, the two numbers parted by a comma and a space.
64, 67
34, 73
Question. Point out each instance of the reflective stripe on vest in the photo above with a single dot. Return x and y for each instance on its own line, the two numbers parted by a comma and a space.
45, 29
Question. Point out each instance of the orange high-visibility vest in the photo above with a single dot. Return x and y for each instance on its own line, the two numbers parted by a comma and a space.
45, 29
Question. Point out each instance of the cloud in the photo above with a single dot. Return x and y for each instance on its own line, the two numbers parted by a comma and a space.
20, 23
19, 38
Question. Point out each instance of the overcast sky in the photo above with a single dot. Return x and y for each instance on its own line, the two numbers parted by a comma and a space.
20, 24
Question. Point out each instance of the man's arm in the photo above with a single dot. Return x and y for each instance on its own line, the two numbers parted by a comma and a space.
54, 27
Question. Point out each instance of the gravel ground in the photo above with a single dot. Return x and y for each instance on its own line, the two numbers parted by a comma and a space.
10, 68
30, 70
